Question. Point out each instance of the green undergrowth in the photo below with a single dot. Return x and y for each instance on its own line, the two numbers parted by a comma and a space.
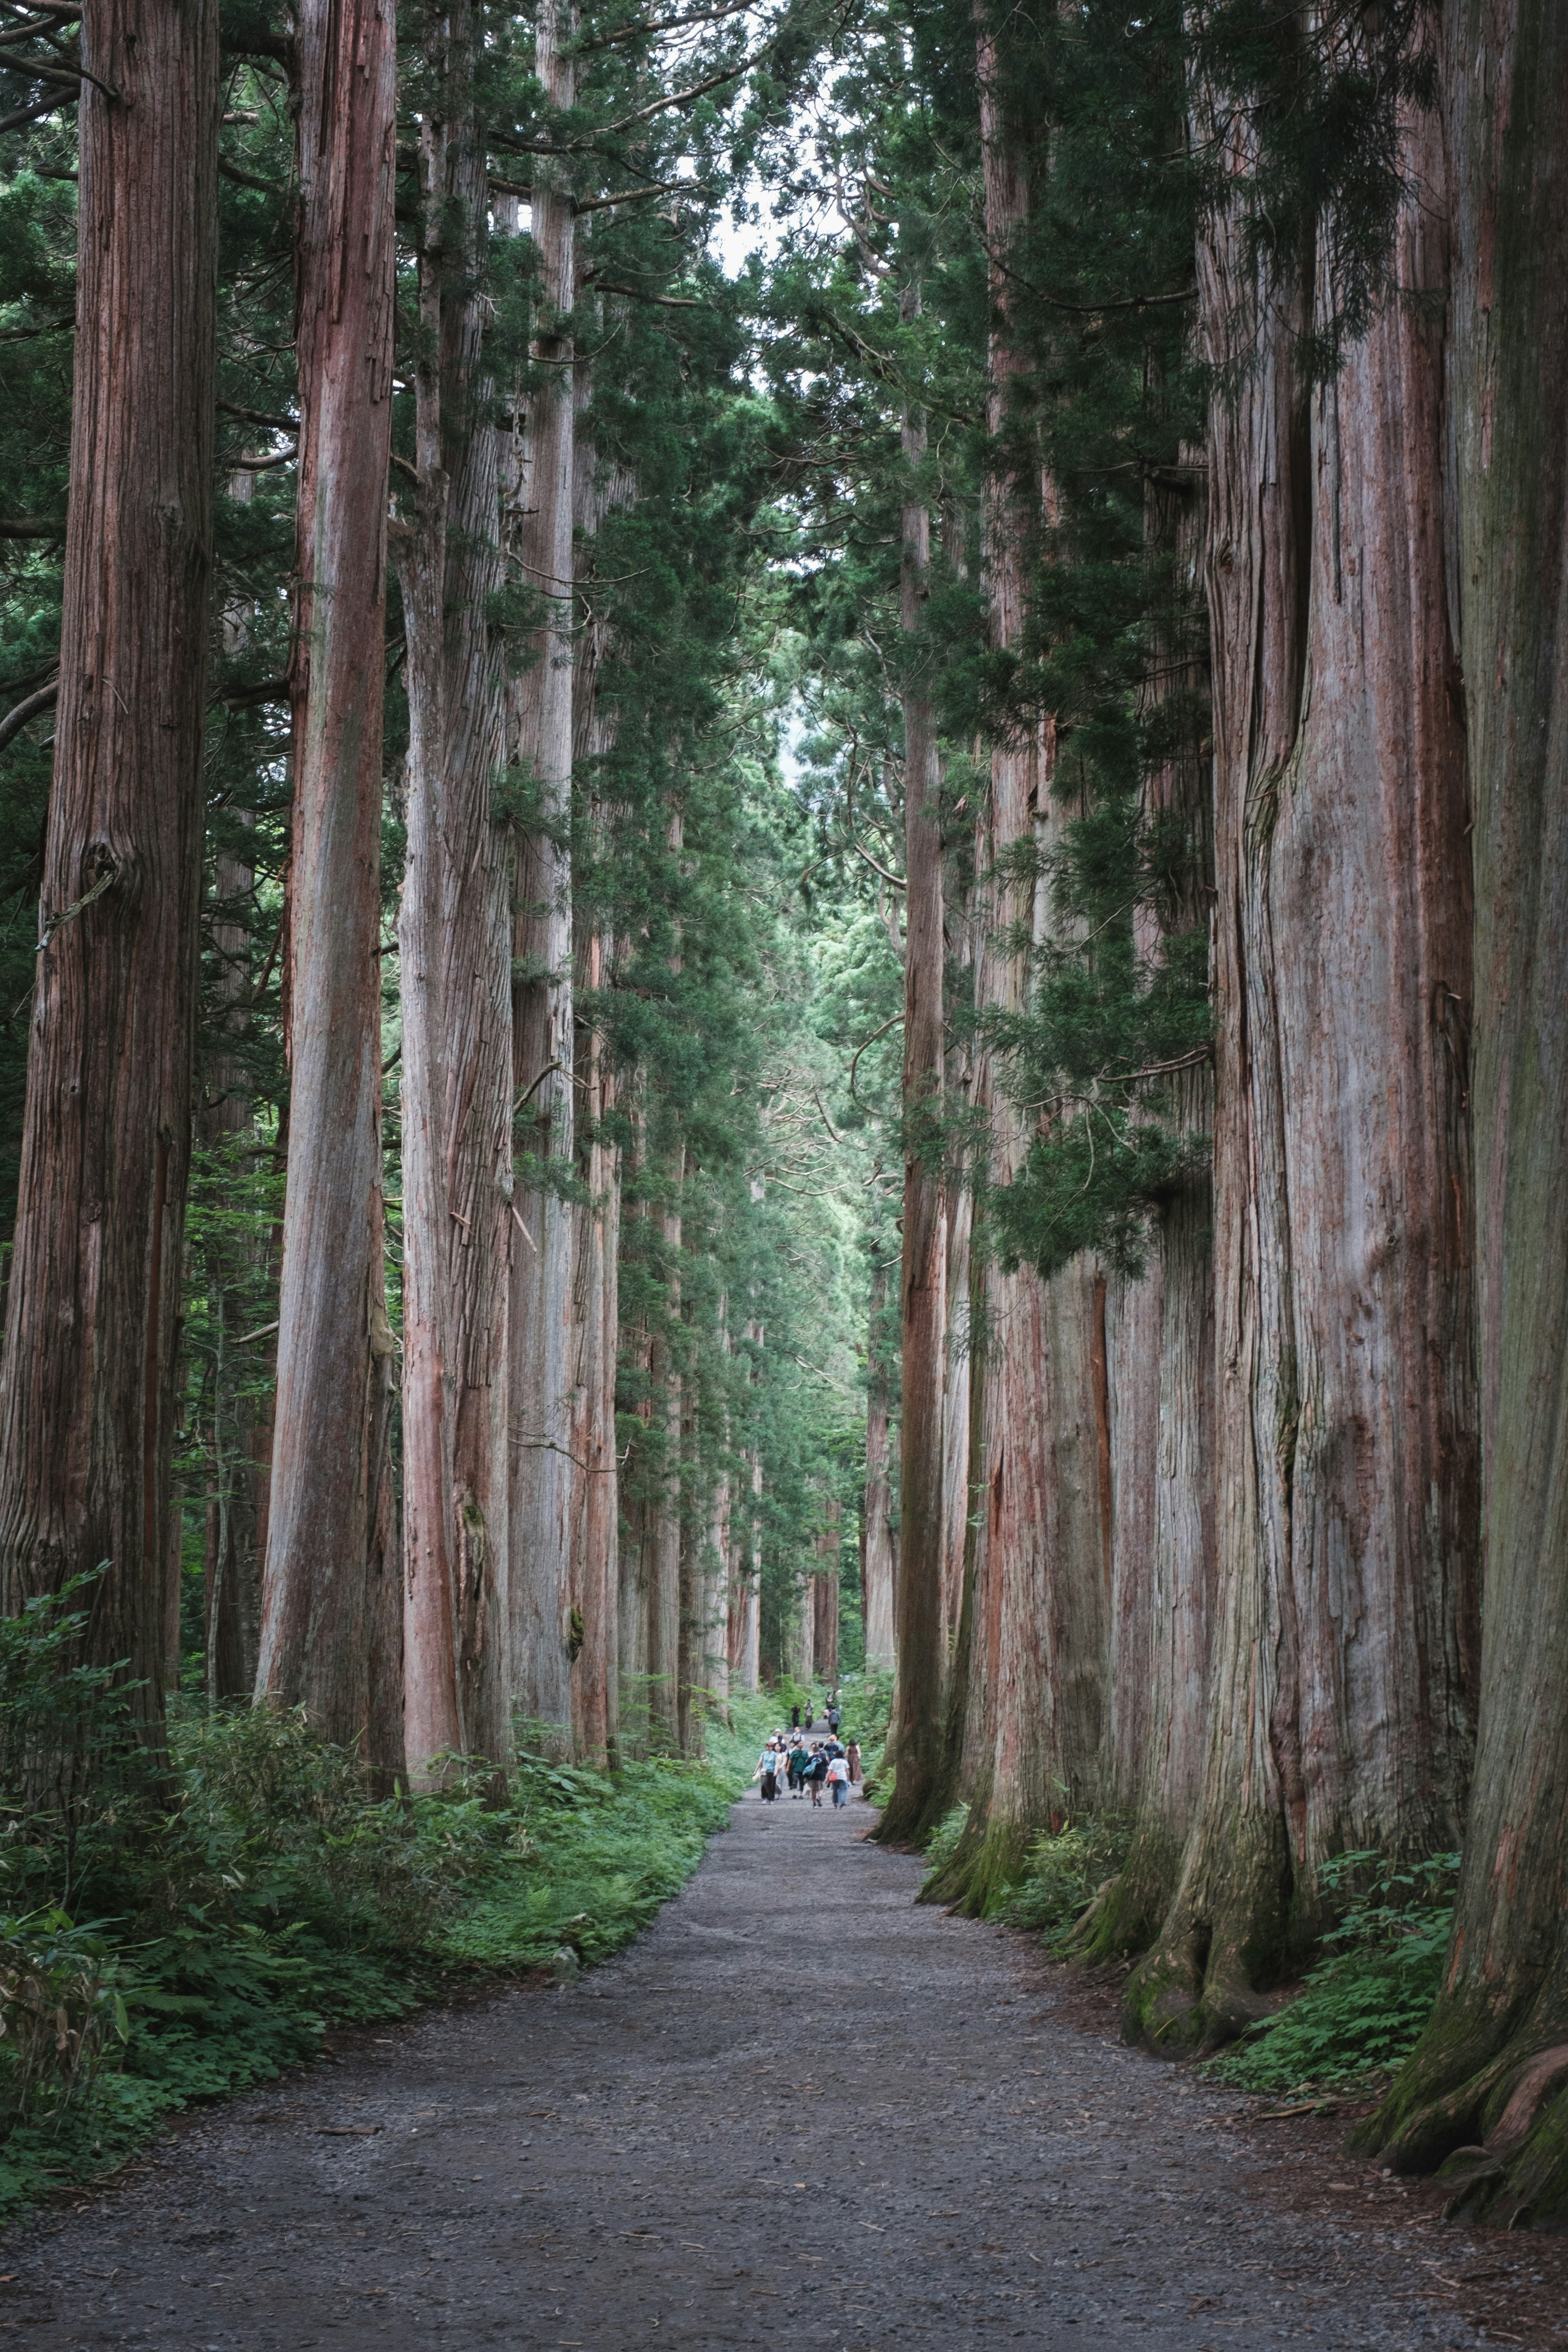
197, 1925
1045, 1893
1362, 2009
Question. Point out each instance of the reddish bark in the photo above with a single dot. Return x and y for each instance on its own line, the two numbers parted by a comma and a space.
1160, 1388
662, 1523
1346, 1442
1037, 1661
1488, 2071
543, 1035
455, 941
915, 1733
87, 1389
232, 1583
876, 1557
334, 1345
595, 1251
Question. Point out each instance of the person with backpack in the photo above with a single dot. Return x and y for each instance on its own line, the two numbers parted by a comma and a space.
817, 1773
832, 1714
795, 1719
838, 1781
796, 1765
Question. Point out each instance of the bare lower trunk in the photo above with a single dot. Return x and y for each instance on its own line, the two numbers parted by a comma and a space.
544, 1041
225, 1116
333, 1337
1346, 1444
1491, 2070
745, 1594
715, 1604
87, 1392
594, 1583
1161, 1383
1042, 1549
877, 1564
454, 938
915, 1733
662, 1536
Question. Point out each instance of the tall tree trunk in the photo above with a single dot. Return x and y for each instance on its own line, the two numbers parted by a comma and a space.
1041, 1547
825, 1595
1492, 2067
595, 1506
233, 1579
663, 1523
1160, 1381
87, 1389
334, 1344
634, 1556
1346, 1431
455, 944
715, 1602
544, 1046
877, 1567
915, 1733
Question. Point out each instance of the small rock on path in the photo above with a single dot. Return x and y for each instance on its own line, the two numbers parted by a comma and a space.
800, 2112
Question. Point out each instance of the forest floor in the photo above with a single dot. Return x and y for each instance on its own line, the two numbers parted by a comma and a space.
800, 2111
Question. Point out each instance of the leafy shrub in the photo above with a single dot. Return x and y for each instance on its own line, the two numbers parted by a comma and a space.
942, 1844
60, 2009
1063, 1871
248, 1892
1362, 2007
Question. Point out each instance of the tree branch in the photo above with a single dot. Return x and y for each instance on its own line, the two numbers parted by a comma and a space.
18, 715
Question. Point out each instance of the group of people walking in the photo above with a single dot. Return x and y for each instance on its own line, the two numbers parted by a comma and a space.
805, 1767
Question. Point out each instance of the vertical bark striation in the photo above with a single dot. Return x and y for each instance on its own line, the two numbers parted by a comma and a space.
454, 936
1037, 1639
876, 1562
544, 1046
334, 1346
915, 1735
1346, 1444
1490, 2069
87, 1390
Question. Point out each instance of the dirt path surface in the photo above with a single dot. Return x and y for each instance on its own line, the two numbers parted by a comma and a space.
800, 2112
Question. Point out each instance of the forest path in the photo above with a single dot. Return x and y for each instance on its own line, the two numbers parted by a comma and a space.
800, 2111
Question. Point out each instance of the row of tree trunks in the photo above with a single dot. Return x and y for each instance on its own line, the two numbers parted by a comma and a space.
454, 940
88, 1387
544, 1060
1491, 2070
1345, 1464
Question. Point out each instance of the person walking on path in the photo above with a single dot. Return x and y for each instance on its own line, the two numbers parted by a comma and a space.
767, 1772
852, 1758
796, 1766
817, 1773
795, 1719
832, 1714
838, 1781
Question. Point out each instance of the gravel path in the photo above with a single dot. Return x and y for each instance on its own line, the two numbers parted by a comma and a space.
800, 2112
